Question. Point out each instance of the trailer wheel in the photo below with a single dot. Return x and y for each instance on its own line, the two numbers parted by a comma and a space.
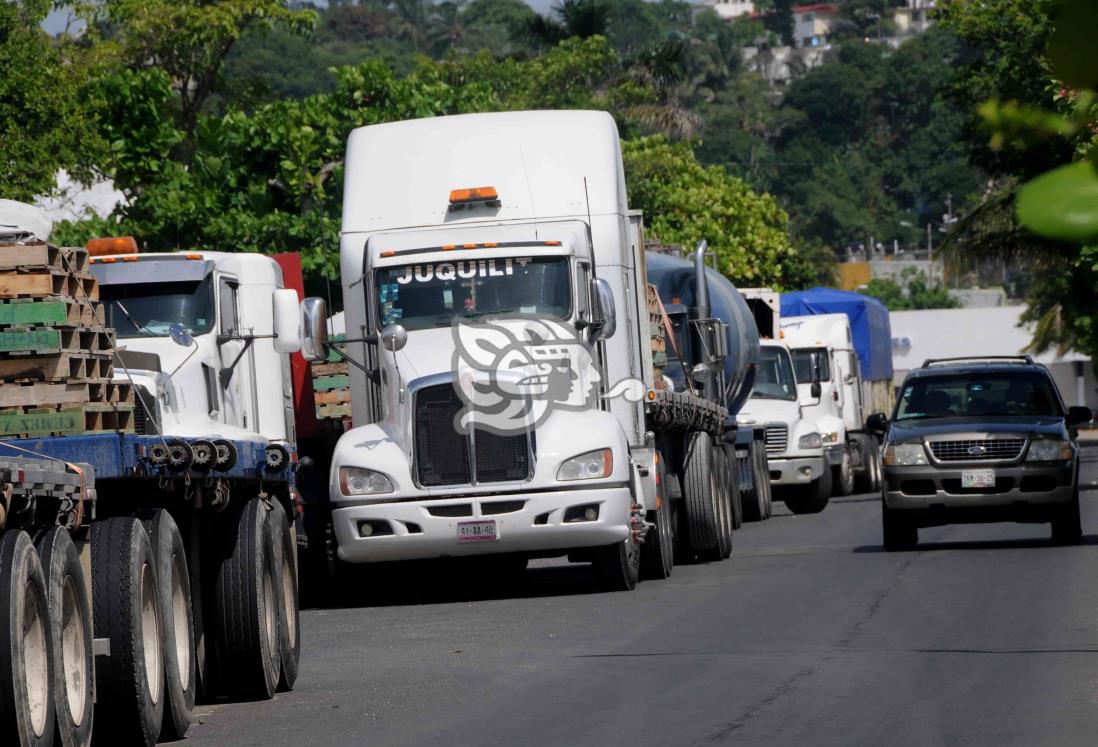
733, 485
289, 628
177, 632
658, 551
700, 490
618, 566
26, 670
811, 498
751, 501
842, 476
724, 503
766, 490
246, 593
126, 610
70, 636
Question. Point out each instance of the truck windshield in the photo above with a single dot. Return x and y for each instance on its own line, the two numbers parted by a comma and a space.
774, 379
434, 294
802, 364
981, 394
149, 309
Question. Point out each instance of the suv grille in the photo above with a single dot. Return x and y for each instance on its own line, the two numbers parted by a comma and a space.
996, 449
443, 455
777, 438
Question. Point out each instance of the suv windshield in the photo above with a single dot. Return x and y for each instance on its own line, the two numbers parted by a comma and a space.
433, 294
979, 394
802, 364
774, 379
149, 309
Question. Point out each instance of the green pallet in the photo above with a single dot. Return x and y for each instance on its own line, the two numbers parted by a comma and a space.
43, 422
38, 340
327, 383
37, 312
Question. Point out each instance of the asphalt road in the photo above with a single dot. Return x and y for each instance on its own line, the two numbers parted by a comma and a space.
809, 635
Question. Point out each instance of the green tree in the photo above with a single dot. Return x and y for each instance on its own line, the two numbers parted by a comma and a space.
913, 291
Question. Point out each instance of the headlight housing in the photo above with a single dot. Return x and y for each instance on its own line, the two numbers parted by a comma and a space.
590, 465
905, 455
830, 438
810, 441
361, 481
1049, 450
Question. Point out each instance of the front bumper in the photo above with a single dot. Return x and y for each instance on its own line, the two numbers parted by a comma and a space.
798, 470
1027, 490
536, 526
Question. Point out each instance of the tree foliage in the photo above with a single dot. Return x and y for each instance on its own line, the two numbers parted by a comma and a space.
914, 290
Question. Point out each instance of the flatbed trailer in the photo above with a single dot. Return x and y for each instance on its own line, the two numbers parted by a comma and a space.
137, 572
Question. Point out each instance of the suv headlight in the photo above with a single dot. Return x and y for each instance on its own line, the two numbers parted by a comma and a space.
905, 455
360, 481
1049, 450
590, 465
810, 441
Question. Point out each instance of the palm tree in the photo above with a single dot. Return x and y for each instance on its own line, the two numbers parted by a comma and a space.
571, 19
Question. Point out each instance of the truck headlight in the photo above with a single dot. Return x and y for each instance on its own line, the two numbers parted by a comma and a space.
810, 441
360, 481
905, 455
587, 466
1049, 450
830, 438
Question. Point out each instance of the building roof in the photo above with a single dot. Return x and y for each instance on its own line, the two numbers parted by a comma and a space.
816, 8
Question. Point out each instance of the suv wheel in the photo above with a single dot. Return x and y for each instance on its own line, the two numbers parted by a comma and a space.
898, 533
1067, 528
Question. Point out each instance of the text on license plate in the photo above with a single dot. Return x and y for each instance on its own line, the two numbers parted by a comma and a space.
477, 531
978, 478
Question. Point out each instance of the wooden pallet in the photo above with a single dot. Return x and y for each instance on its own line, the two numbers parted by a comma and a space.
61, 312
327, 383
333, 397
58, 367
48, 282
329, 369
333, 412
40, 340
40, 255
65, 420
54, 394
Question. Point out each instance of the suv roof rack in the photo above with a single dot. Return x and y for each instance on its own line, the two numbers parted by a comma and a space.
1019, 359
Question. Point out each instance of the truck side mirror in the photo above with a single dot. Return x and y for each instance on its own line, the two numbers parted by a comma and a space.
284, 309
603, 310
314, 329
877, 423
816, 391
394, 337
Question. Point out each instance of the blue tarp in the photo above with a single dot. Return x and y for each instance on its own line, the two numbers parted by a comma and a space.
868, 324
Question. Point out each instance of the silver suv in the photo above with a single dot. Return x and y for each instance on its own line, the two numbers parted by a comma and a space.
979, 440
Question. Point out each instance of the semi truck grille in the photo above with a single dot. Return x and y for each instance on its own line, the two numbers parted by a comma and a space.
443, 454
777, 438
146, 403
996, 449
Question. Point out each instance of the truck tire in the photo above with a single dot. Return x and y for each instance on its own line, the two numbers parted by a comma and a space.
868, 480
129, 685
897, 532
811, 498
1067, 528
27, 704
700, 490
766, 489
289, 628
733, 485
70, 637
658, 552
246, 594
751, 500
177, 631
842, 476
724, 502
617, 566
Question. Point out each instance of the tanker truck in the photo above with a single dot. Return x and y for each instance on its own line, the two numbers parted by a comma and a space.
504, 402
676, 280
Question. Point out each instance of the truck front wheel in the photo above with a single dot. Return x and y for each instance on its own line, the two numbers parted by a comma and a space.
618, 566
289, 630
658, 552
811, 498
842, 476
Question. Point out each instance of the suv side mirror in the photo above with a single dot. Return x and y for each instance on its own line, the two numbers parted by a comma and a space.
1079, 415
877, 422
314, 329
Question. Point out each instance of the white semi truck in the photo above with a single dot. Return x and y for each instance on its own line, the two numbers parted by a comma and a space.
502, 387
149, 562
799, 471
823, 351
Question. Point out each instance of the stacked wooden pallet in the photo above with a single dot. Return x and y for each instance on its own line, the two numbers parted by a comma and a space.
657, 331
55, 353
331, 387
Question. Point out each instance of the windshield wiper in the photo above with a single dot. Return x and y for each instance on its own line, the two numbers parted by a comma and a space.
136, 324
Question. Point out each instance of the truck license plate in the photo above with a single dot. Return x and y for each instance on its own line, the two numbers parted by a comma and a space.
978, 478
477, 531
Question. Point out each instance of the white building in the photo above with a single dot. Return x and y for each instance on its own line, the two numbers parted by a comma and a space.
812, 23
728, 10
953, 333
